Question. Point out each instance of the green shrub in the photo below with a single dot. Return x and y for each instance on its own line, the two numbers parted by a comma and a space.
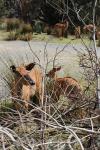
13, 24
26, 28
38, 28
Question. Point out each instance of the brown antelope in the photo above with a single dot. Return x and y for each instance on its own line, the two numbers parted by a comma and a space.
77, 32
98, 35
61, 28
27, 84
64, 86
89, 28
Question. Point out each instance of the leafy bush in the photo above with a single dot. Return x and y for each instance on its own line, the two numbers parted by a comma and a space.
26, 28
13, 24
38, 27
24, 32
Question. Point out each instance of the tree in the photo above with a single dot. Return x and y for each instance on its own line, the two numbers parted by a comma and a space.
54, 11
2, 8
29, 9
11, 8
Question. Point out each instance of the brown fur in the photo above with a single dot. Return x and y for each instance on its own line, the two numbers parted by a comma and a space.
77, 32
61, 28
22, 89
88, 28
98, 35
64, 86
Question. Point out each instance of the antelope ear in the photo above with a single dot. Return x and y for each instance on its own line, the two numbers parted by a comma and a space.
57, 69
13, 68
30, 66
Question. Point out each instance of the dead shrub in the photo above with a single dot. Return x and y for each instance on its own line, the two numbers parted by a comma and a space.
18, 36
12, 36
25, 37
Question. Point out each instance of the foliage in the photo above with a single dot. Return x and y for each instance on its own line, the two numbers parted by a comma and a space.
17, 35
38, 26
75, 11
13, 24
18, 30
27, 10
25, 28
2, 8
50, 11
11, 8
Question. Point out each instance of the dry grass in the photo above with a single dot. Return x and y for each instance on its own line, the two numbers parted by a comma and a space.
44, 37
3, 35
